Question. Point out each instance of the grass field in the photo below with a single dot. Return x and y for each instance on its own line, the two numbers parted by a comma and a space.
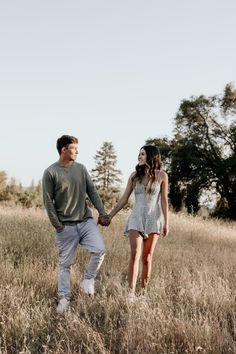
190, 308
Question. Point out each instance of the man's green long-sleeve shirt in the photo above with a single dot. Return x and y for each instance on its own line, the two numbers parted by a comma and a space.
64, 194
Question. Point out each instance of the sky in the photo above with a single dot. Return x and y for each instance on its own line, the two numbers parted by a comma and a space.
104, 70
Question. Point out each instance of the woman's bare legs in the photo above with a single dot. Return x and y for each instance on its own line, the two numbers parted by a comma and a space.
148, 249
135, 253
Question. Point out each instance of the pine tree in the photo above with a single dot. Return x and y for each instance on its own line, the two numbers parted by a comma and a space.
105, 175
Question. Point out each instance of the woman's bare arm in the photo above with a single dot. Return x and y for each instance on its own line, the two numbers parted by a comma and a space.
164, 202
124, 198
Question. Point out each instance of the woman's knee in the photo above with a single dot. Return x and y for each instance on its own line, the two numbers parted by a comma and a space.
135, 255
147, 259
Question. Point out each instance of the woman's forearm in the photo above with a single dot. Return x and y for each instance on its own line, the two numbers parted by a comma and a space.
165, 209
120, 204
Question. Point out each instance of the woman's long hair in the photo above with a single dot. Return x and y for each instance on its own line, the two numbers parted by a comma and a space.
153, 164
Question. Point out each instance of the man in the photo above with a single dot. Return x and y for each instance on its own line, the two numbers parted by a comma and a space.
66, 184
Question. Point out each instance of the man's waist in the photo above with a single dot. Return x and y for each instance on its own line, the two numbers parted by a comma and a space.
74, 222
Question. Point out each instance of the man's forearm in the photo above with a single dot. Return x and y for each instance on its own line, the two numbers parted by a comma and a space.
97, 202
52, 214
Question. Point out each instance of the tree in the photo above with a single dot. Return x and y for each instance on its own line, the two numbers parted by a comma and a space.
3, 179
12, 193
202, 154
105, 174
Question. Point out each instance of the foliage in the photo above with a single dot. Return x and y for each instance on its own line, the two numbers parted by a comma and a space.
12, 193
105, 175
3, 180
202, 155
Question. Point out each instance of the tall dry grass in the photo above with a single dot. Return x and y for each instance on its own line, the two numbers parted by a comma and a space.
191, 297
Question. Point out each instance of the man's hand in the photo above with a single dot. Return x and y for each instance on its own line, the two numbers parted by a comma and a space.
60, 229
104, 220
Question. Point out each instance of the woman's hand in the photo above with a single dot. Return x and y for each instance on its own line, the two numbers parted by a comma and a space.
165, 230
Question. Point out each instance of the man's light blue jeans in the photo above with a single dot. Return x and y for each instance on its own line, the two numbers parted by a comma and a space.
88, 236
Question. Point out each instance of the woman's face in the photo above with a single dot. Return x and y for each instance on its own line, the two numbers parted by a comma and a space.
142, 157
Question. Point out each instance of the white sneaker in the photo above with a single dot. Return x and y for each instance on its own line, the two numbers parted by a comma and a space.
63, 305
131, 297
88, 286
142, 299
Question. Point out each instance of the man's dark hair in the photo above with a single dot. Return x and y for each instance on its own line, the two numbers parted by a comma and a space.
64, 141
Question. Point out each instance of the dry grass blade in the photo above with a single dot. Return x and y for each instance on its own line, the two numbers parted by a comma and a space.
191, 298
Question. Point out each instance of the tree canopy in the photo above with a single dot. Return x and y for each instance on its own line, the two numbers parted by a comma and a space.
202, 155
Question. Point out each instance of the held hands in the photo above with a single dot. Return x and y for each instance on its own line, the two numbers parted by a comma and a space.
104, 220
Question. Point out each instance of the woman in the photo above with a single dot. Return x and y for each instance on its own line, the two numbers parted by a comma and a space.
150, 185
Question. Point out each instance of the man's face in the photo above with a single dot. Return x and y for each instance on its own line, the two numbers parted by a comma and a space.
71, 152
142, 157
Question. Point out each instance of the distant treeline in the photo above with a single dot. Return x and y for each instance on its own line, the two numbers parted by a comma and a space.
200, 161
12, 193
